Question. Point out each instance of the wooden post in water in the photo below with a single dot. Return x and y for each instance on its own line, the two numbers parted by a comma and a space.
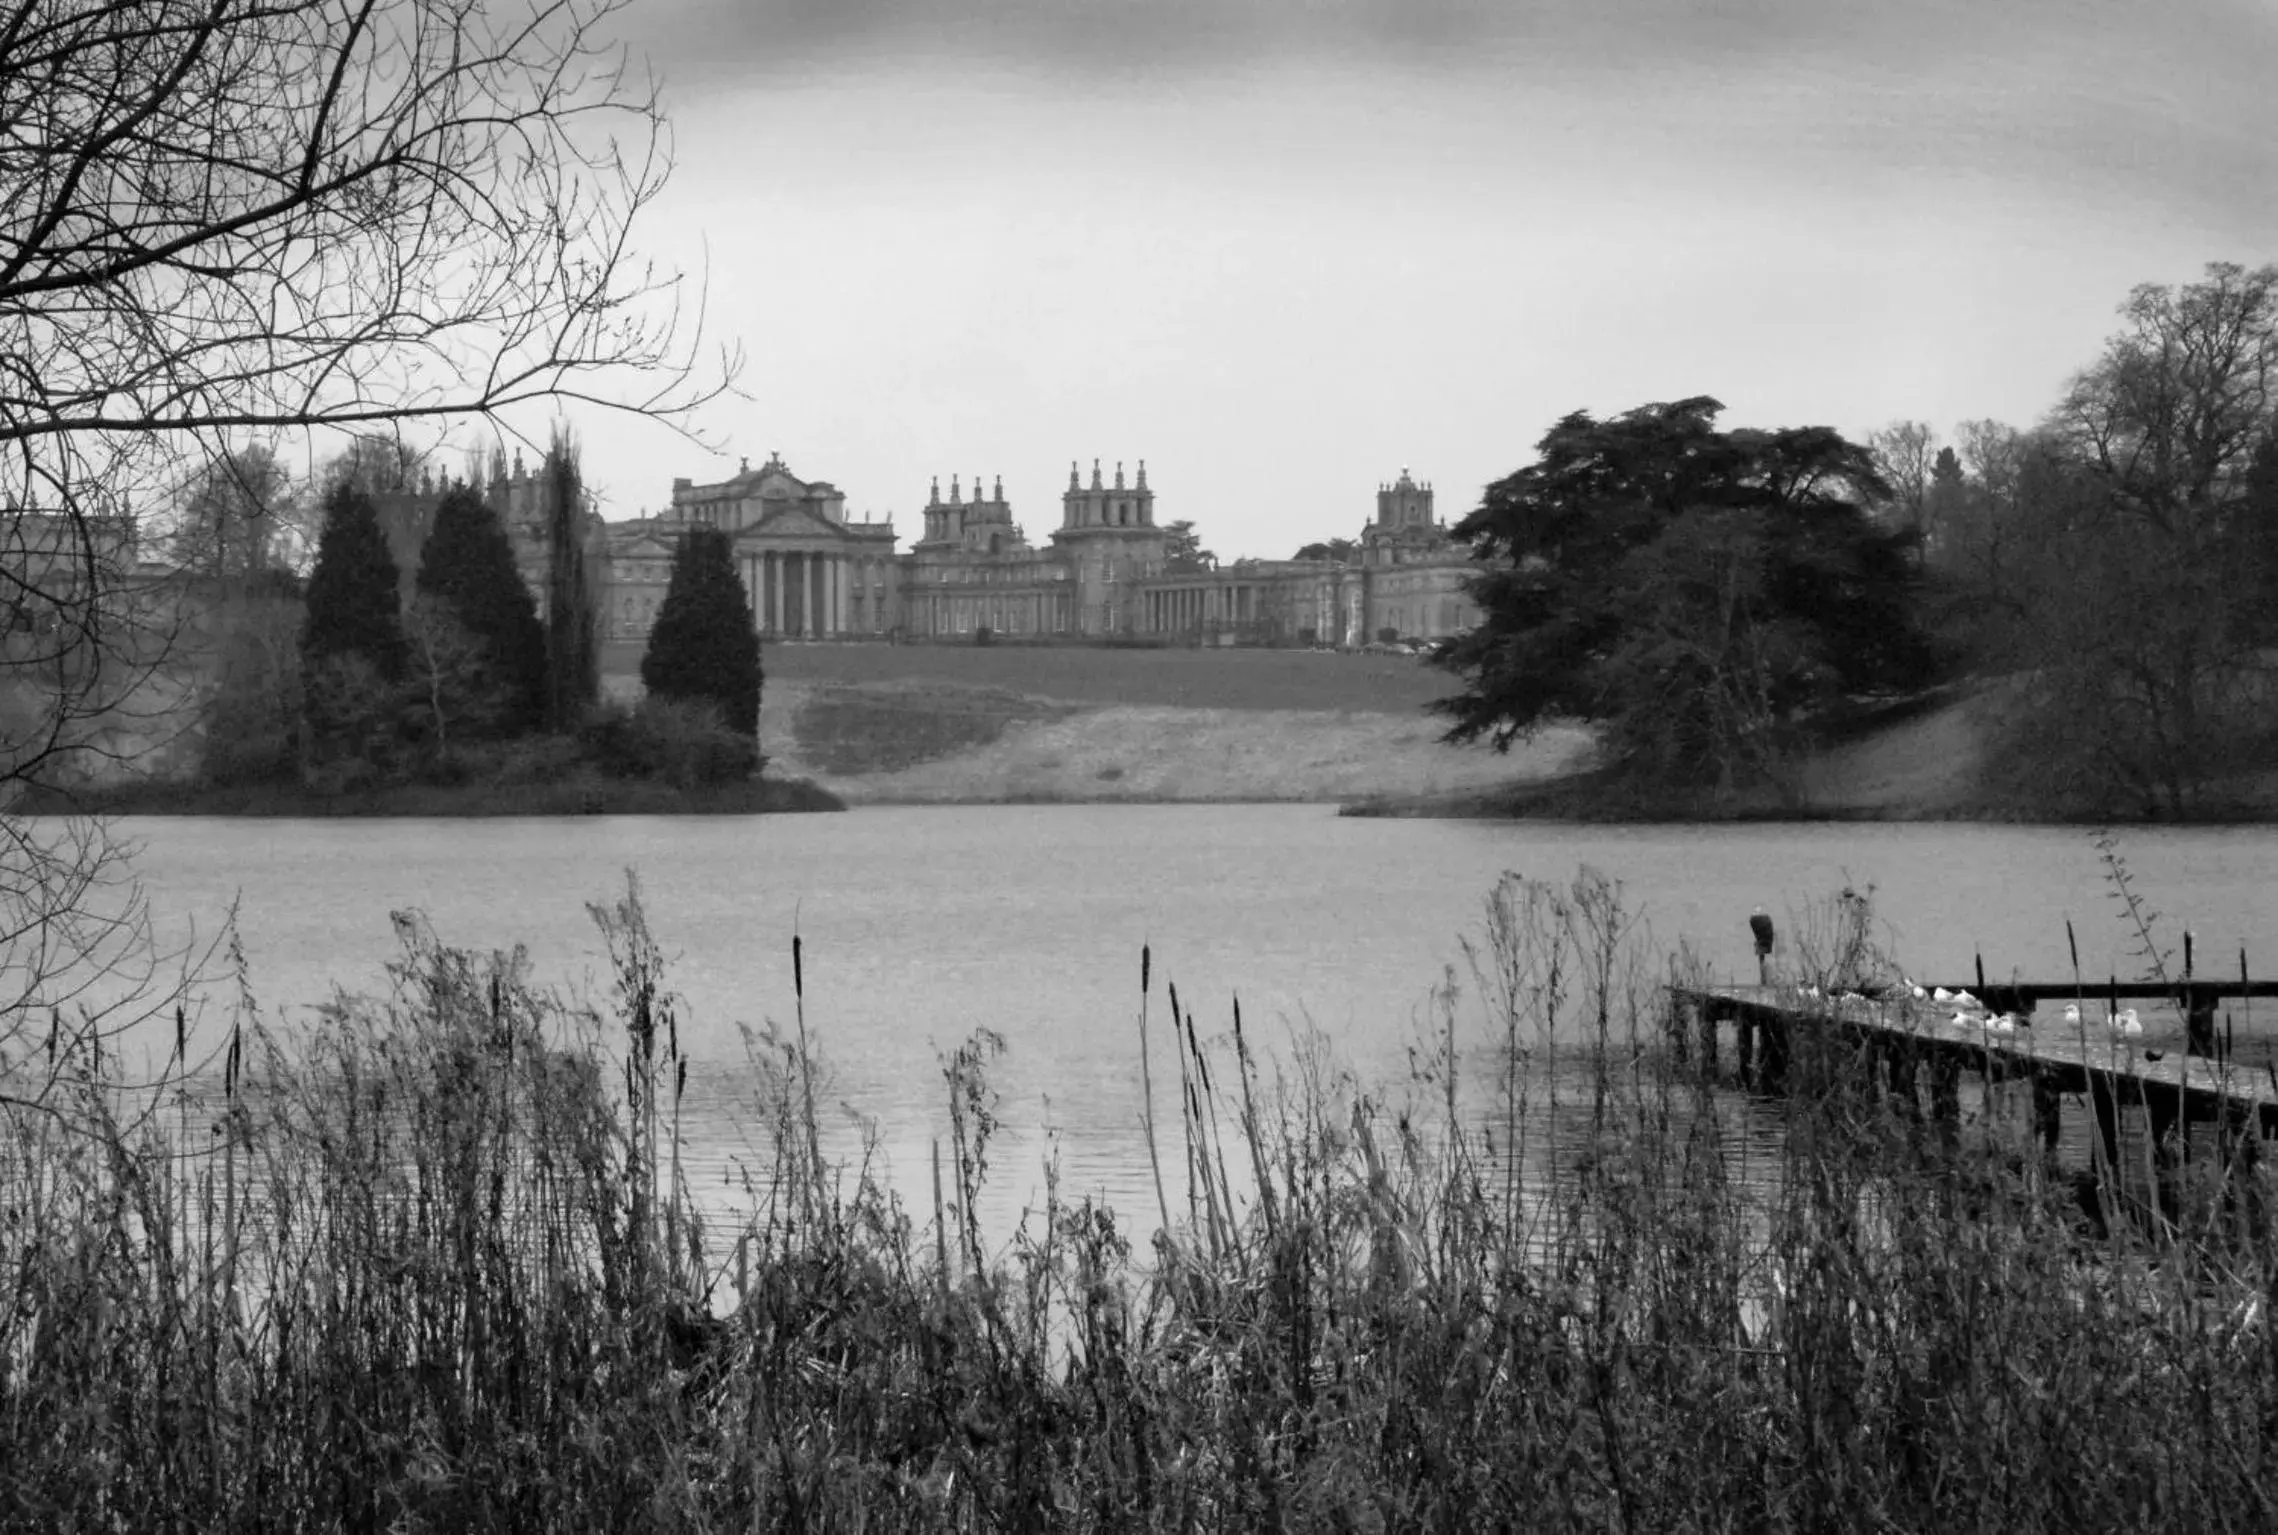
1760, 927
1753, 1042
2198, 1006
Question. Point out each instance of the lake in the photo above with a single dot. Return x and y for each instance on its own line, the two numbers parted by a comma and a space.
920, 926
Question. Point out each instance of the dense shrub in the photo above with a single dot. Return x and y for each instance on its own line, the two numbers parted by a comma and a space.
677, 741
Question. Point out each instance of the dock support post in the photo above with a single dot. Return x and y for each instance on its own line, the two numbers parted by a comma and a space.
2106, 1107
2170, 1137
1772, 1065
2048, 1108
1946, 1093
1901, 1057
2198, 1021
2242, 1182
1744, 1046
1708, 1044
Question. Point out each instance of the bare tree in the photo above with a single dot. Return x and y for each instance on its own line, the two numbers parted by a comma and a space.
2172, 413
1980, 545
1906, 452
238, 516
2145, 594
223, 219
450, 682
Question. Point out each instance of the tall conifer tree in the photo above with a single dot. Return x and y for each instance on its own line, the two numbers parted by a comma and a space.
468, 564
704, 646
353, 608
573, 672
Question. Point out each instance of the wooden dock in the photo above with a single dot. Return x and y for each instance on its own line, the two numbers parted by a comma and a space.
1907, 1043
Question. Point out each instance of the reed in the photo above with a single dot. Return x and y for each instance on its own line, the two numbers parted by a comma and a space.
434, 1263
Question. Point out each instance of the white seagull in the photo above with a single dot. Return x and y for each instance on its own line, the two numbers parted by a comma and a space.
2127, 1023
2072, 1014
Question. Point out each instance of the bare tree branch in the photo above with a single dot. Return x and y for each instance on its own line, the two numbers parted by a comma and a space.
224, 220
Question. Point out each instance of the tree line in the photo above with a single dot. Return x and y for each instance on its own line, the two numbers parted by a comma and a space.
464, 677
1718, 602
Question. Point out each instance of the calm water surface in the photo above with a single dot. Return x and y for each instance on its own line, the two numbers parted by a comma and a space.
922, 925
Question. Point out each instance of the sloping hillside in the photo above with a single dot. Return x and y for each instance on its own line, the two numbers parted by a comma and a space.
935, 743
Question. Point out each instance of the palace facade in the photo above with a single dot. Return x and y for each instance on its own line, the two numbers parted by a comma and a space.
1108, 571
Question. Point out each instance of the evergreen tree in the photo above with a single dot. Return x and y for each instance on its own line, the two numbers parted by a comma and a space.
1698, 594
468, 566
352, 603
704, 647
573, 671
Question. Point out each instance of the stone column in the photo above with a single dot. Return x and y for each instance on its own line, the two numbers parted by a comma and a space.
775, 592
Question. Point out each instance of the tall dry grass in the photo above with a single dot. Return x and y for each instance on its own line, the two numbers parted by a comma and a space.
433, 1265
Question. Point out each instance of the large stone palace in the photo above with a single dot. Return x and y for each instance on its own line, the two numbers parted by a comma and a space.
1108, 571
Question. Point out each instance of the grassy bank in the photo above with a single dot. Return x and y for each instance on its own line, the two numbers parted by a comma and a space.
907, 743
593, 795
1931, 757
1096, 675
434, 1266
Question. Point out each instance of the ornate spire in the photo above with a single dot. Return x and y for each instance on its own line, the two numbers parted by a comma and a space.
1000, 490
1095, 474
1142, 474
1073, 482
1119, 474
956, 494
935, 499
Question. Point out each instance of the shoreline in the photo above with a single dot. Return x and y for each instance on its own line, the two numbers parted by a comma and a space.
1568, 800
765, 796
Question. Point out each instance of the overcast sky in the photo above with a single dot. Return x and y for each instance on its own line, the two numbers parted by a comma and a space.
1281, 248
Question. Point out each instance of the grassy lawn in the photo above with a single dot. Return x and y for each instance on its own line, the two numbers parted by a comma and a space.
1198, 679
